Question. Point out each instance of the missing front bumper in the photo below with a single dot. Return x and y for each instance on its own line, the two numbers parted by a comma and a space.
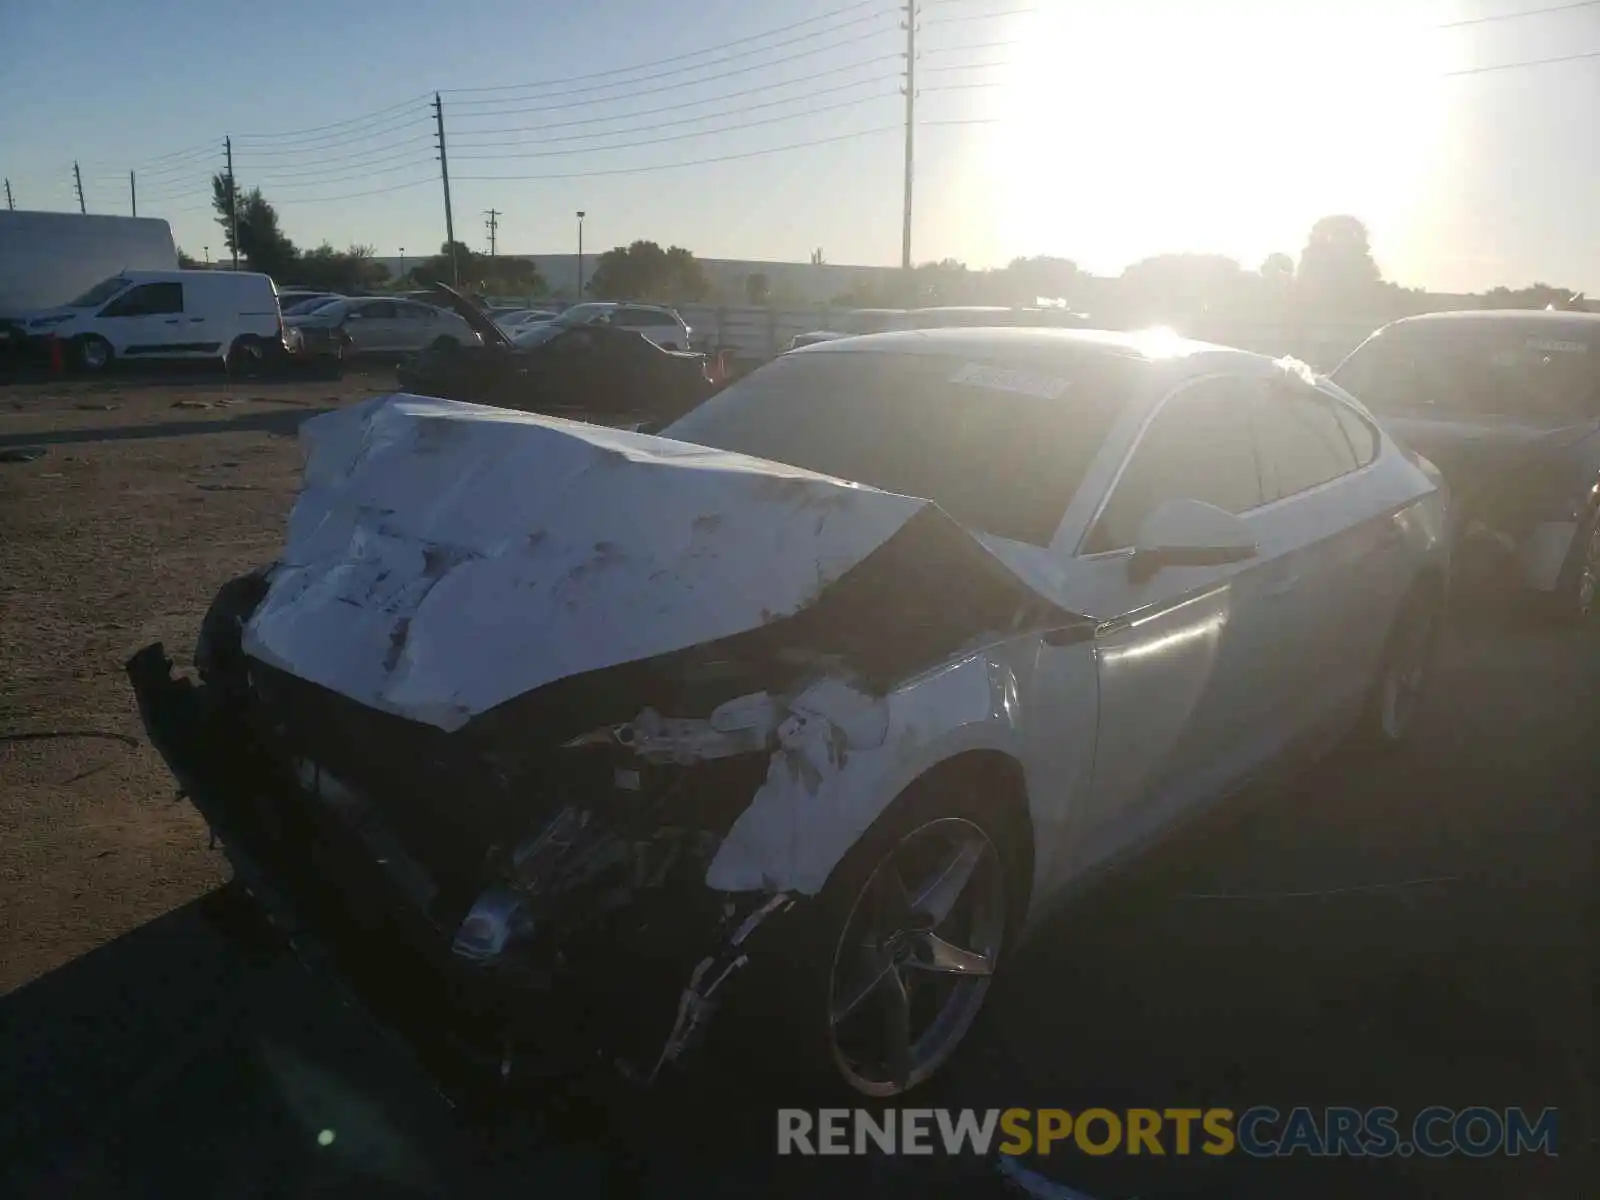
637, 993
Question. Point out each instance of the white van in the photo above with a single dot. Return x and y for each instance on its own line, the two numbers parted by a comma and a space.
230, 316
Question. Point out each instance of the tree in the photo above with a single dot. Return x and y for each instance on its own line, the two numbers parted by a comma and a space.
1337, 266
644, 271
262, 244
1176, 287
187, 262
348, 270
1277, 268
1042, 277
758, 288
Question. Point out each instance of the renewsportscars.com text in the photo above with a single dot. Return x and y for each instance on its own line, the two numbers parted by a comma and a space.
1259, 1132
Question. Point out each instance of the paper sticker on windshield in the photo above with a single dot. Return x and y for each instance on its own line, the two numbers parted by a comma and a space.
1002, 379
1546, 346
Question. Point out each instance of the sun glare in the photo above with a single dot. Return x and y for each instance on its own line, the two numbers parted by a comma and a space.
1128, 129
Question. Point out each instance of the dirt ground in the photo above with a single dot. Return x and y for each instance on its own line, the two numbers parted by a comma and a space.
116, 536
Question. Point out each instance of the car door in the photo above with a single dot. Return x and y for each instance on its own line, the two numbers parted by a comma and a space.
1339, 542
146, 321
371, 325
1182, 656
416, 325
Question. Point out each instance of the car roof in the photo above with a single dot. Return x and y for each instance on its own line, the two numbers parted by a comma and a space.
1154, 346
1543, 318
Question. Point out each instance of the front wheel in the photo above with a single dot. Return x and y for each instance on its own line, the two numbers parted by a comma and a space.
902, 945
247, 356
94, 353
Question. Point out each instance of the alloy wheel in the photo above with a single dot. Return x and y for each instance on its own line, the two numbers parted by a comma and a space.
914, 962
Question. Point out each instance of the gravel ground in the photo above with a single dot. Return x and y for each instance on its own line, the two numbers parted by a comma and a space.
160, 1048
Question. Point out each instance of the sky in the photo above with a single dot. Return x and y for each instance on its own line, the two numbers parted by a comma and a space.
1100, 131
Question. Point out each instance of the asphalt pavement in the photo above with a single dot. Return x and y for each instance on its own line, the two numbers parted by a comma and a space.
1405, 931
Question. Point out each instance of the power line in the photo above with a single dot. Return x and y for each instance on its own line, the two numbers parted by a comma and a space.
383, 191
679, 137
278, 183
1532, 12
1536, 62
965, 67
989, 16
756, 37
664, 108
393, 124
298, 133
699, 162
670, 87
983, 46
316, 166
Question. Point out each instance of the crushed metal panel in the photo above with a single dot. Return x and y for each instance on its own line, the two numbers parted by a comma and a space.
445, 558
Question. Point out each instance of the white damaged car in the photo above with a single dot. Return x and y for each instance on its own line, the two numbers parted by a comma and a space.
811, 706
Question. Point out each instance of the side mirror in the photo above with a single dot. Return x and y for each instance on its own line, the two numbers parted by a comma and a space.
1190, 533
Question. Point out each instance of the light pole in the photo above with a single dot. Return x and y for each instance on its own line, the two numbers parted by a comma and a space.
402, 264
580, 257
207, 249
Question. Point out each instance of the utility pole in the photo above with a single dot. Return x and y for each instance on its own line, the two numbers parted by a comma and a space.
493, 225
133, 194
444, 175
911, 118
580, 258
77, 182
233, 202
11, 205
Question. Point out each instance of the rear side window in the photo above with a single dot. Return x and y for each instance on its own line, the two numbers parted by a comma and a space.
1301, 439
1363, 437
1197, 447
148, 299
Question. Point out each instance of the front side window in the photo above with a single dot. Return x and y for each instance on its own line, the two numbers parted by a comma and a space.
378, 310
1302, 440
1002, 447
1198, 447
148, 299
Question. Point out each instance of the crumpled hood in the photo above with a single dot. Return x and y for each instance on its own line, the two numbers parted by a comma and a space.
443, 558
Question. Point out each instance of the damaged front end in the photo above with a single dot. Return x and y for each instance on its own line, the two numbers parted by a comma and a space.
509, 910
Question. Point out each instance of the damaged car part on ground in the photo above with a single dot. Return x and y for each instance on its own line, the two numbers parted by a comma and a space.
694, 724
1508, 404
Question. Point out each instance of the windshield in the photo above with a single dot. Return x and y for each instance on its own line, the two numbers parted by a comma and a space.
1513, 369
968, 436
100, 292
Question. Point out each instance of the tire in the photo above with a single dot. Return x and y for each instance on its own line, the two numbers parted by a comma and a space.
1403, 671
1574, 599
333, 367
812, 1020
93, 353
444, 343
247, 356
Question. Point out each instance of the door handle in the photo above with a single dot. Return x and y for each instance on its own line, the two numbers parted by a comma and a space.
172, 320
196, 320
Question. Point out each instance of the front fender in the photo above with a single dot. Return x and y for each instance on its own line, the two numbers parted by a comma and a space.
826, 784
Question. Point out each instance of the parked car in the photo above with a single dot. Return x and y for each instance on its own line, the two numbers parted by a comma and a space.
377, 325
661, 325
1508, 404
812, 705
48, 257
293, 298
515, 321
854, 323
229, 316
588, 370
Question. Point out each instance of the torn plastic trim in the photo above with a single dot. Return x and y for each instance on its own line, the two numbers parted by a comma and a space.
700, 997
